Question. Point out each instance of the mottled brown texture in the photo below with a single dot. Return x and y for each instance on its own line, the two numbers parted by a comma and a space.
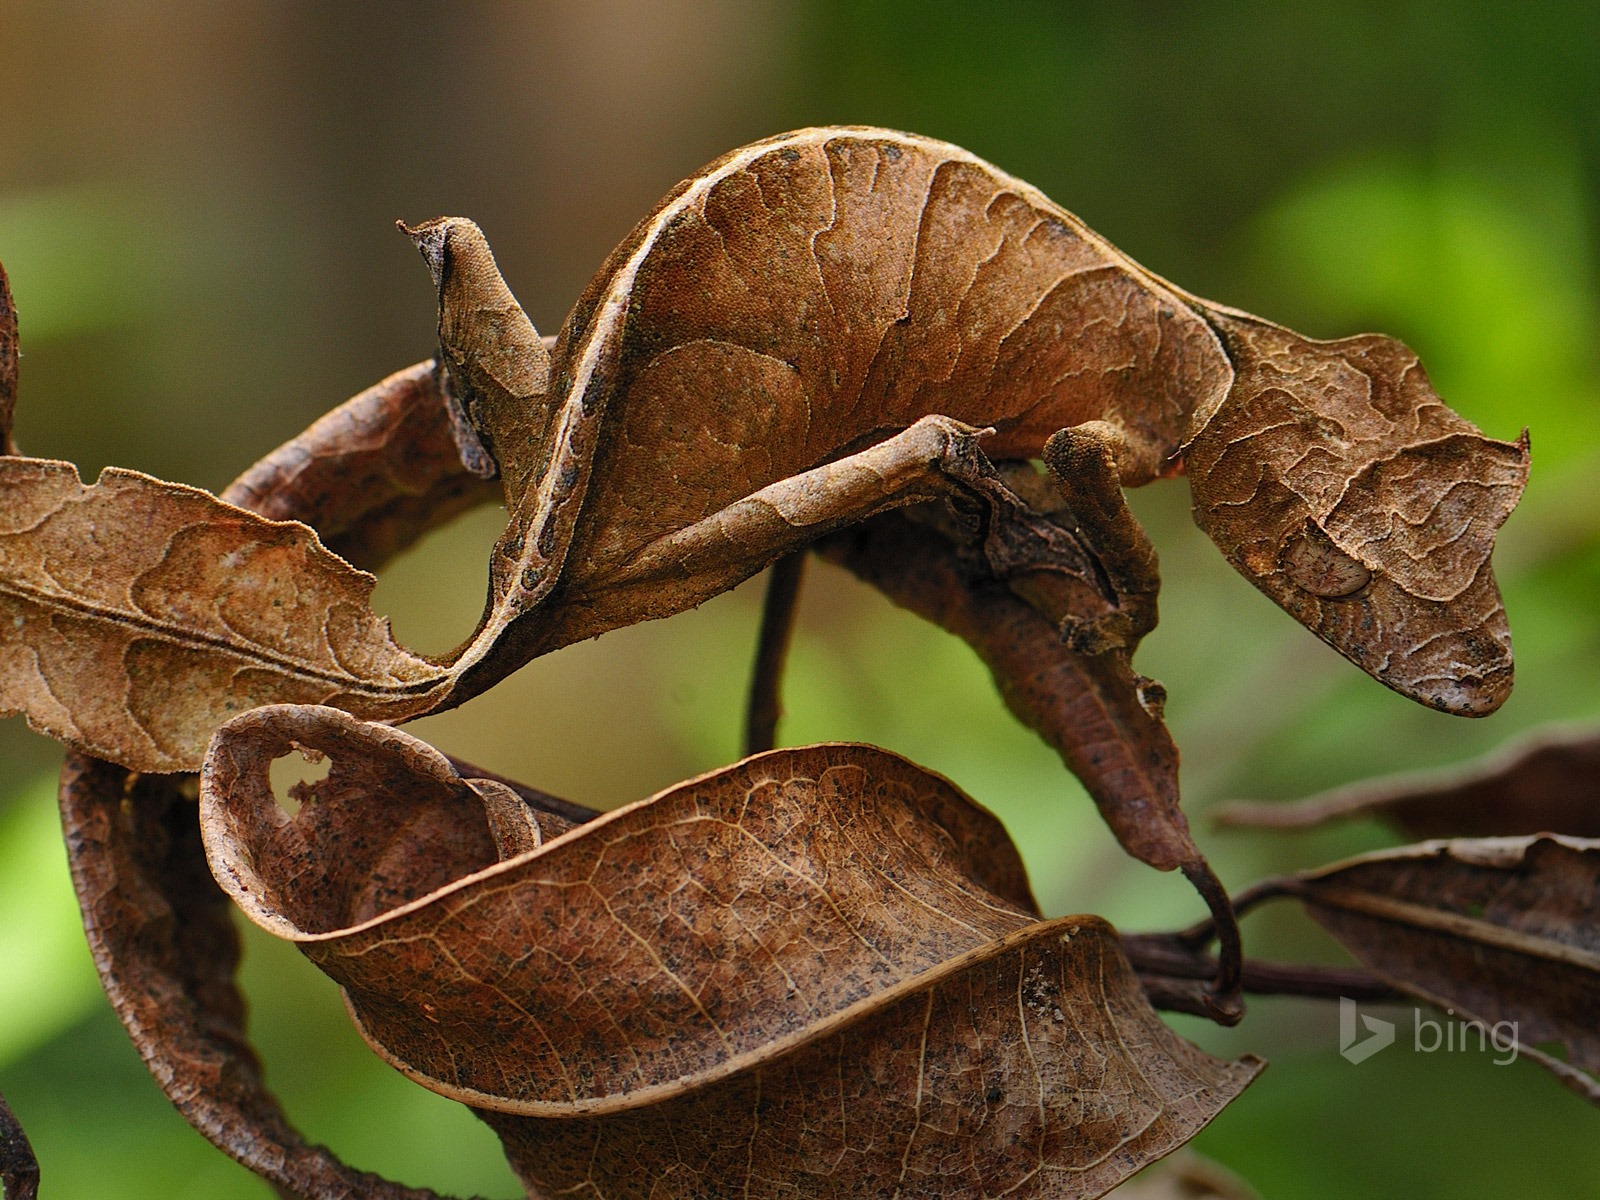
1099, 715
137, 615
1548, 782
496, 369
1032, 1068
1494, 929
812, 294
813, 972
19, 1169
162, 937
8, 365
793, 303
1102, 718
795, 858
160, 931
812, 330
1340, 485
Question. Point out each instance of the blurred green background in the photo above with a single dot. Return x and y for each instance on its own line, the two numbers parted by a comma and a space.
196, 207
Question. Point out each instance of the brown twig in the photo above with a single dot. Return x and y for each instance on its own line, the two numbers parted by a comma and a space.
1222, 1002
567, 810
1202, 933
772, 648
1169, 971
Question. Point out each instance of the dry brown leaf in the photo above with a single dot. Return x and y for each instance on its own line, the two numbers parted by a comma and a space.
1102, 718
1504, 932
165, 946
809, 295
159, 929
1032, 1068
19, 1169
8, 365
643, 1001
137, 615
1546, 783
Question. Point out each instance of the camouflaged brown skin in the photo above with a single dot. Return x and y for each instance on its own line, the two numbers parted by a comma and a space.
808, 332
1336, 481
802, 299
808, 294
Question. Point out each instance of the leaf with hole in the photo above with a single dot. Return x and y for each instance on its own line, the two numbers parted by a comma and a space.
642, 1000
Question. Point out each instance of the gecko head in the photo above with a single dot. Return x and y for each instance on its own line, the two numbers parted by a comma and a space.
1335, 480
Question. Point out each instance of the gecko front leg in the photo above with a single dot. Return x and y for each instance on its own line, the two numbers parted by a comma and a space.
1083, 462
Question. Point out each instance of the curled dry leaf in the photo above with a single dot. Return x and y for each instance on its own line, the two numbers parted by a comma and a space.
137, 615
1546, 783
19, 1169
159, 929
1102, 718
165, 946
378, 471
1504, 932
819, 967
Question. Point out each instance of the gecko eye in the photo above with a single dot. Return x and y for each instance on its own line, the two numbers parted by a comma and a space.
1314, 564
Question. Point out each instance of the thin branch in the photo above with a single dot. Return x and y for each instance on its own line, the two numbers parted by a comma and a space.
772, 648
1203, 933
1223, 1003
1170, 972
540, 801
